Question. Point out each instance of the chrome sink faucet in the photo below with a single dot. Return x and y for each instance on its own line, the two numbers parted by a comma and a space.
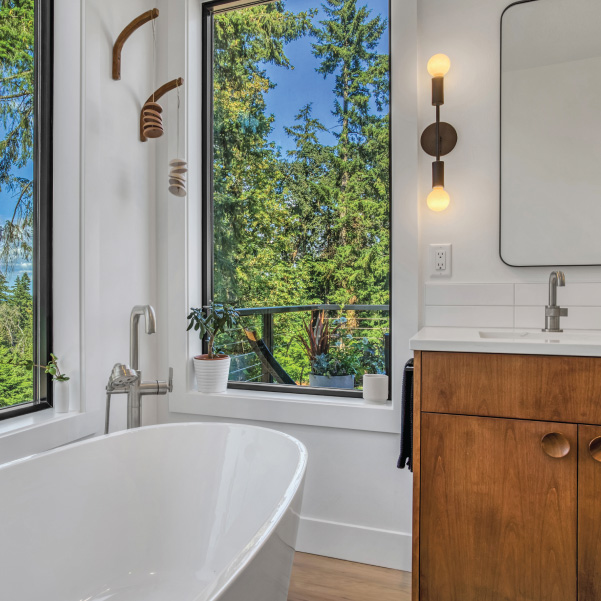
127, 379
554, 313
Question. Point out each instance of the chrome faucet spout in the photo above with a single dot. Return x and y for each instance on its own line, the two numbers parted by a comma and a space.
553, 312
150, 322
557, 278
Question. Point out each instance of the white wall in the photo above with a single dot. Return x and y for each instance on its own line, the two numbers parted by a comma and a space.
119, 200
468, 31
357, 505
104, 240
104, 236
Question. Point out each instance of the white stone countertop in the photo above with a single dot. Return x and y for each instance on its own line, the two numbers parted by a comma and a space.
583, 343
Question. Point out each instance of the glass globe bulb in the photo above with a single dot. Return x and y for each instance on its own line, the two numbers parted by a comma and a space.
439, 65
438, 200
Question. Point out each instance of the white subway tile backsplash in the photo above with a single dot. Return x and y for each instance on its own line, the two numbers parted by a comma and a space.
469, 316
579, 318
531, 294
469, 294
530, 317
580, 295
510, 305
575, 294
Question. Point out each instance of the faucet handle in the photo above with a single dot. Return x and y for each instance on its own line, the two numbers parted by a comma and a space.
162, 387
556, 311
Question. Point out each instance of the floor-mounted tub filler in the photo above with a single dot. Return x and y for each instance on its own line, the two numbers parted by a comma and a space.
182, 512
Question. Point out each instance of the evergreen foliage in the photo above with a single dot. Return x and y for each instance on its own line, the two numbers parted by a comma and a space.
16, 153
311, 227
16, 341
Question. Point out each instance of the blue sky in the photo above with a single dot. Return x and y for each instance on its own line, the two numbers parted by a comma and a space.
301, 85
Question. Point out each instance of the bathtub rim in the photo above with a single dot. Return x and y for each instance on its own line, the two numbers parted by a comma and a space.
244, 557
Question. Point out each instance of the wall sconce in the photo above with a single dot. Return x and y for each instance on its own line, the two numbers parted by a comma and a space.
439, 138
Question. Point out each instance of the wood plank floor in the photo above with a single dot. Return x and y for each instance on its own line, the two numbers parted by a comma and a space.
316, 578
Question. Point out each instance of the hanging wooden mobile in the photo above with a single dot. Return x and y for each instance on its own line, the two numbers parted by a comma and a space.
178, 167
152, 119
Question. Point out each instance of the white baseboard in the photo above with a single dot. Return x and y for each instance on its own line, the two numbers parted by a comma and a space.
372, 546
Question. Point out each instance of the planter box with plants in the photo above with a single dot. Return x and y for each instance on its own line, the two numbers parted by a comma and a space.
335, 369
331, 366
338, 360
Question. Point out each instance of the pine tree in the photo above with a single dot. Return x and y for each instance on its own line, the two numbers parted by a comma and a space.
4, 288
16, 341
356, 269
22, 300
250, 212
16, 382
309, 193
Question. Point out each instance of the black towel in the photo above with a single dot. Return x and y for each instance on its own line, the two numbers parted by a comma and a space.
406, 457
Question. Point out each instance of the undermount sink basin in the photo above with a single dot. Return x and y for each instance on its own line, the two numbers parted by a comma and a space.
546, 336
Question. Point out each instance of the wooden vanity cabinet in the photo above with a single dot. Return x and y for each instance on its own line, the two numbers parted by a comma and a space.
506, 507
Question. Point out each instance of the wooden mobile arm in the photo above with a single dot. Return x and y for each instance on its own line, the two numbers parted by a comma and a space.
118, 47
171, 85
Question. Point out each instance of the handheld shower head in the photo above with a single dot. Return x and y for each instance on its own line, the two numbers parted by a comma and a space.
121, 375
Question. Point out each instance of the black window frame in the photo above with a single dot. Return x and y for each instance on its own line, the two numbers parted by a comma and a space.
209, 10
42, 208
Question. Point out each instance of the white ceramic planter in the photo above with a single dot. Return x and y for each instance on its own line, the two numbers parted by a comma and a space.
375, 388
211, 374
61, 397
347, 382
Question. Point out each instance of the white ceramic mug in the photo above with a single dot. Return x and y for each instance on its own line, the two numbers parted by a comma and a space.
375, 388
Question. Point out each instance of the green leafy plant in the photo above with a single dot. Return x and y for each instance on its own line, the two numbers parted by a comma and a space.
52, 369
338, 362
210, 321
371, 356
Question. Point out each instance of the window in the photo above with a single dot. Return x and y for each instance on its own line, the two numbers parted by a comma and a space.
26, 58
296, 196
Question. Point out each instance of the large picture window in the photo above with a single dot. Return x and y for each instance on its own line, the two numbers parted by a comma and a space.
26, 59
297, 189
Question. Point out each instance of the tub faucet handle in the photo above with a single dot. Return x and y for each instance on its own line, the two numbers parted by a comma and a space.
165, 387
170, 381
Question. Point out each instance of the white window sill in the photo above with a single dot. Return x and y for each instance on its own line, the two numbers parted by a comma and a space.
41, 431
325, 411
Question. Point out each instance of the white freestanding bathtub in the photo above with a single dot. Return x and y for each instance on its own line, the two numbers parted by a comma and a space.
183, 512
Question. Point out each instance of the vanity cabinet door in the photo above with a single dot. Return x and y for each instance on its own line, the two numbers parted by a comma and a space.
498, 509
589, 513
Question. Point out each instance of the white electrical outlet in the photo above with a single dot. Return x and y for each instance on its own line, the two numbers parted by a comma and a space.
440, 260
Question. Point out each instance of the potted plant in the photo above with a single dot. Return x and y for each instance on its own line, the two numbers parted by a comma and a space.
335, 369
212, 368
60, 381
330, 367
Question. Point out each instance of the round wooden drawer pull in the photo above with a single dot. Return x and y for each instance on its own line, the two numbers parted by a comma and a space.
595, 448
557, 445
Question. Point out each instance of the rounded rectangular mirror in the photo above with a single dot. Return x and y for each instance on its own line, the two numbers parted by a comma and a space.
551, 133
